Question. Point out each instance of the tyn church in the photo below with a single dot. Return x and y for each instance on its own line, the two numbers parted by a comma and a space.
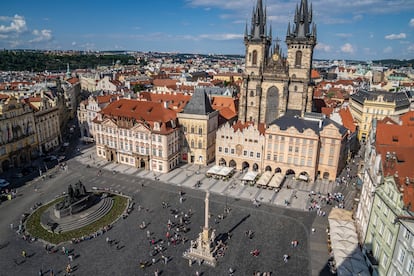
273, 84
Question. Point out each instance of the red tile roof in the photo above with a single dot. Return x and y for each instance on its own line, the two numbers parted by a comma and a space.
141, 111
175, 102
73, 80
408, 118
225, 105
347, 119
240, 126
395, 143
106, 98
315, 74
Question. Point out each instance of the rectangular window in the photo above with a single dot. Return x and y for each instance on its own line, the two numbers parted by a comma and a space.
245, 153
251, 154
410, 267
274, 157
268, 156
389, 237
258, 154
220, 149
226, 150
406, 234
384, 260
232, 151
290, 148
381, 228
401, 255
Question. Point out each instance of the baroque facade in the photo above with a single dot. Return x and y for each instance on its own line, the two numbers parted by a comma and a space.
316, 145
368, 105
18, 141
139, 134
272, 83
47, 123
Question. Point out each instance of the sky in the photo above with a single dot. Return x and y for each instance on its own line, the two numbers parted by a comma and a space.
346, 29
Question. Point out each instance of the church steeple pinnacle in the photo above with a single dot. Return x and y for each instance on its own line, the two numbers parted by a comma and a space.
258, 28
303, 27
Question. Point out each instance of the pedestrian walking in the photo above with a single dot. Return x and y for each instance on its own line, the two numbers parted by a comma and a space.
285, 258
40, 272
24, 254
70, 258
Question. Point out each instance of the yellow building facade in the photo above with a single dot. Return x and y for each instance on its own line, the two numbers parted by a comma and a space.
368, 105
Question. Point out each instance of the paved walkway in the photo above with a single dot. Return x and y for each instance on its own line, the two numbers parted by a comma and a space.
187, 176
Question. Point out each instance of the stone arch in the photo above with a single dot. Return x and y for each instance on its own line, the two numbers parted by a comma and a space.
326, 175
5, 166
272, 104
222, 162
278, 170
232, 163
298, 59
304, 176
268, 169
290, 172
245, 165
254, 58
255, 167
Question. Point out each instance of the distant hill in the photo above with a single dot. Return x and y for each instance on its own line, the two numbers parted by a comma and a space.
38, 61
394, 62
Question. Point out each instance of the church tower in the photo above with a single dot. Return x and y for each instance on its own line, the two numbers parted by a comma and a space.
261, 97
274, 84
301, 40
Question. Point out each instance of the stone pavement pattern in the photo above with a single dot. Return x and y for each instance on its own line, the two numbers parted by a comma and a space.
274, 227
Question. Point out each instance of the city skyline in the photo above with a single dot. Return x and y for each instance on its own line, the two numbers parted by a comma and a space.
360, 30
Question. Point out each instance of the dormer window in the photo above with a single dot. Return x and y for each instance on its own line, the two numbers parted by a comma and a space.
395, 138
157, 126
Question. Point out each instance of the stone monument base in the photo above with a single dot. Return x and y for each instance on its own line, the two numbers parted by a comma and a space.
200, 256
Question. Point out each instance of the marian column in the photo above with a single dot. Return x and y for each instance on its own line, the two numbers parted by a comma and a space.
206, 211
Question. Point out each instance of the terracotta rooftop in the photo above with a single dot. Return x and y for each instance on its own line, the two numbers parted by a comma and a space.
315, 74
395, 143
73, 80
240, 126
176, 102
347, 119
141, 111
226, 106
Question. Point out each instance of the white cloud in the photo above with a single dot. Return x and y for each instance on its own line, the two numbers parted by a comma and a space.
396, 36
41, 36
358, 17
347, 48
387, 50
323, 47
410, 48
74, 43
411, 22
17, 24
221, 36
